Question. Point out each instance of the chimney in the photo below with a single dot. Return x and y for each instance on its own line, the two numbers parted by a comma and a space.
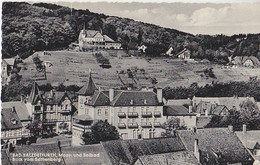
13, 109
230, 128
196, 149
206, 113
244, 128
159, 95
190, 108
111, 95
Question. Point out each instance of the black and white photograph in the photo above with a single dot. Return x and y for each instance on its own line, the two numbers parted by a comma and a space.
139, 82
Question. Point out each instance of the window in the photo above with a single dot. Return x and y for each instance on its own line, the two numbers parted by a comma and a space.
106, 112
51, 107
99, 112
66, 106
37, 108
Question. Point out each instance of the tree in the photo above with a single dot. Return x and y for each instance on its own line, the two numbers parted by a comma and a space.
171, 125
35, 128
100, 131
38, 63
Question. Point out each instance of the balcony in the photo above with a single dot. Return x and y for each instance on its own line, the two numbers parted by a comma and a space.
50, 121
157, 114
146, 114
64, 111
132, 125
156, 124
37, 112
121, 125
132, 114
121, 114
146, 124
81, 126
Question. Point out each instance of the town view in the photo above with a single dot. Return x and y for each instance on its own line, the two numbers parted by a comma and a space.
89, 88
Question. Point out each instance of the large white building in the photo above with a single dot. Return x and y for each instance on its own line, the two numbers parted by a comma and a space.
135, 114
92, 39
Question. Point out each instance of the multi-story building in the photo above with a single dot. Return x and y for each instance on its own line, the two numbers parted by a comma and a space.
53, 109
135, 114
91, 39
11, 127
7, 66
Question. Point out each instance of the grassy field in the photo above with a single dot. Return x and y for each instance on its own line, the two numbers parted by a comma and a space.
69, 67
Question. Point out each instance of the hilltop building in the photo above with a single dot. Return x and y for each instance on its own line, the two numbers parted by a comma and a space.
92, 39
7, 66
247, 61
184, 54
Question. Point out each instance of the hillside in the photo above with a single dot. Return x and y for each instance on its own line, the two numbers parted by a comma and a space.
35, 27
72, 68
28, 28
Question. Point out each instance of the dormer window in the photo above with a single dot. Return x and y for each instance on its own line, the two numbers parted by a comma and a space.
145, 102
14, 121
132, 102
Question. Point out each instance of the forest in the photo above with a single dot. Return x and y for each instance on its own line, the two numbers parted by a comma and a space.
40, 26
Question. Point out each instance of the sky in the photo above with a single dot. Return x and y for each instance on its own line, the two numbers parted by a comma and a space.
203, 17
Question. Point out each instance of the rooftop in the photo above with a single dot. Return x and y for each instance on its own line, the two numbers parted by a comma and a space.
176, 110
220, 140
250, 138
20, 108
9, 119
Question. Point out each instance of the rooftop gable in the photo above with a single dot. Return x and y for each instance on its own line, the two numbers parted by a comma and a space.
89, 88
20, 108
35, 94
10, 119
250, 138
220, 140
128, 151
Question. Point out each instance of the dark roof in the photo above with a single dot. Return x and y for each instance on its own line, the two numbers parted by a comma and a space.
54, 97
100, 98
218, 109
202, 121
219, 140
178, 158
10, 119
35, 94
20, 108
176, 110
135, 98
128, 151
89, 88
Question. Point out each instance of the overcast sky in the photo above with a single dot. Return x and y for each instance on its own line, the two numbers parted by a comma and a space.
195, 18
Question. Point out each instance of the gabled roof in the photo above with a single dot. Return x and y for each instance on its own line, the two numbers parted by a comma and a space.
250, 138
184, 50
100, 98
10, 119
229, 102
202, 121
89, 88
176, 110
55, 97
178, 158
35, 94
220, 140
242, 59
135, 98
9, 61
128, 151
218, 109
20, 108
108, 39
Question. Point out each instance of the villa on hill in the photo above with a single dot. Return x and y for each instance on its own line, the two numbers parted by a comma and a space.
92, 39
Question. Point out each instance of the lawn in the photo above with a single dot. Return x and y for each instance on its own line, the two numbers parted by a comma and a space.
70, 67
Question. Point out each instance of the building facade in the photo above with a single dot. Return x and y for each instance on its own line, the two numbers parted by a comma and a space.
53, 109
91, 39
135, 114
